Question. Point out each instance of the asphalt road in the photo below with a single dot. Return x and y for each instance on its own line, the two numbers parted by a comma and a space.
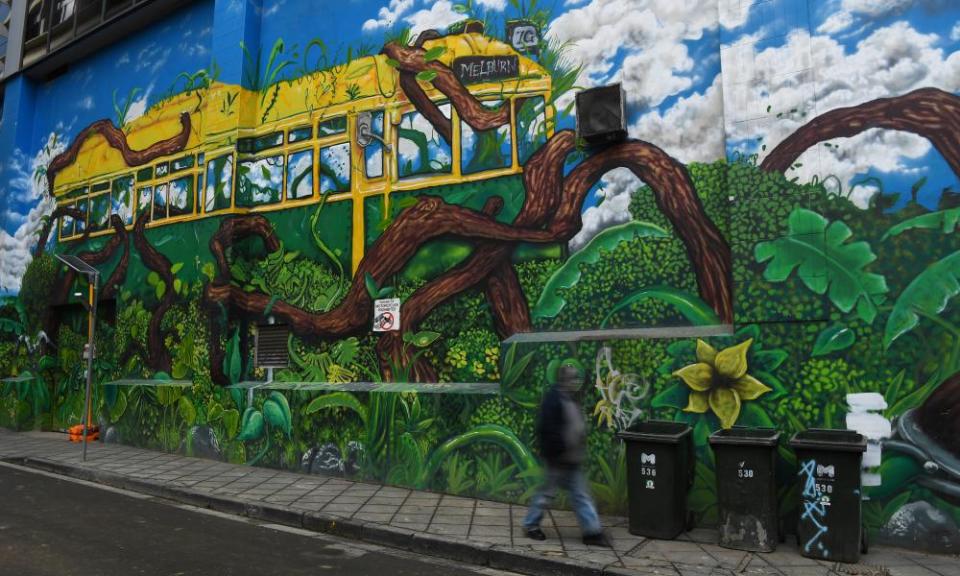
54, 526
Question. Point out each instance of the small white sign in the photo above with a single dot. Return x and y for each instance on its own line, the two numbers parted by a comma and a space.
386, 315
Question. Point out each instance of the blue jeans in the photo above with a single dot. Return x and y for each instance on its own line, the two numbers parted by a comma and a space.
575, 483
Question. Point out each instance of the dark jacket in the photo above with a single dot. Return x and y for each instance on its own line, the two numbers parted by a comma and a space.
552, 427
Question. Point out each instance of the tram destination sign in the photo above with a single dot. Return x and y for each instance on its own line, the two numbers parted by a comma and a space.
474, 69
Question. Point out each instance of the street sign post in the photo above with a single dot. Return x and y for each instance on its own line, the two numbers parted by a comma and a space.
93, 280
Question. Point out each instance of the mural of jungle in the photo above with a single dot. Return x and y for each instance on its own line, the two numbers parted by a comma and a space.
790, 188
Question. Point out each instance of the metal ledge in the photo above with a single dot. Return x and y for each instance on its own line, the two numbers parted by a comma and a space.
621, 334
145, 382
423, 388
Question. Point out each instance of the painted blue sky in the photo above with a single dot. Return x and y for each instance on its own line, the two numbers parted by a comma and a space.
817, 56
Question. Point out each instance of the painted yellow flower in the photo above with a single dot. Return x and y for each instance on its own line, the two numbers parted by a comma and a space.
719, 381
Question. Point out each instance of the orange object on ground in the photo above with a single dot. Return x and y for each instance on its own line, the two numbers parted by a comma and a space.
76, 433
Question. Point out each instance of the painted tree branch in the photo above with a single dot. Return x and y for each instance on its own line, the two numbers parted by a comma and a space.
410, 62
58, 212
118, 140
928, 112
158, 357
109, 288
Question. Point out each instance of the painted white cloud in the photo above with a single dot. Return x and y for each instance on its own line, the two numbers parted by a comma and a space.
497, 5
439, 16
86, 103
733, 13
388, 15
691, 130
617, 186
892, 60
849, 11
139, 106
648, 34
955, 33
25, 188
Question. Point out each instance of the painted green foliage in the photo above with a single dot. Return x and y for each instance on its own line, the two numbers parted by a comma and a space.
874, 290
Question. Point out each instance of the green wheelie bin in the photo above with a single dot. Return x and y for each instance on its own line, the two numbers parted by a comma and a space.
660, 460
830, 526
746, 462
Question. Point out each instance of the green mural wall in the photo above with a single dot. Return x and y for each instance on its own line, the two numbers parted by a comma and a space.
813, 293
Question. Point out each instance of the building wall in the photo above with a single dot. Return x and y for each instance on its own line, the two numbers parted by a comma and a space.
791, 198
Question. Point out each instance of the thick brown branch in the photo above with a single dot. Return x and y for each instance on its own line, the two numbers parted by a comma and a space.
158, 356
507, 302
58, 212
928, 112
236, 228
410, 61
117, 139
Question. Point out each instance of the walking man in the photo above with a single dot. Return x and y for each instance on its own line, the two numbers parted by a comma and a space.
563, 443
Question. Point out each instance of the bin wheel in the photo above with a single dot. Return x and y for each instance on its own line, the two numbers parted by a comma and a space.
864, 544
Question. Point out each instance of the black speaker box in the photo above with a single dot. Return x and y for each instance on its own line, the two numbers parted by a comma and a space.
601, 118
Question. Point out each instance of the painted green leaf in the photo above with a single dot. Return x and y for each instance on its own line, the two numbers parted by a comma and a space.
153, 278
233, 365
767, 360
945, 220
393, 63
426, 76
386, 292
281, 401
695, 310
833, 339
675, 396
177, 285
424, 338
231, 421
927, 295
550, 302
160, 290
48, 362
214, 411
434, 53
273, 414
119, 407
337, 400
252, 427
372, 289
187, 410
484, 433
176, 268
818, 251
168, 395
753, 414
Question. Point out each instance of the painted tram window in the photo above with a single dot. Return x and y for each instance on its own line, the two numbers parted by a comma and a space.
421, 149
486, 149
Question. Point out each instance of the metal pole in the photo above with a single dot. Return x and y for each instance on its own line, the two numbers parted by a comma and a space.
94, 281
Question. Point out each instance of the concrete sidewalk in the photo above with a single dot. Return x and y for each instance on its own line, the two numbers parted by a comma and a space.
463, 529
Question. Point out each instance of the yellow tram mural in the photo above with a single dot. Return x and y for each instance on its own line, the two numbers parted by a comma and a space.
345, 134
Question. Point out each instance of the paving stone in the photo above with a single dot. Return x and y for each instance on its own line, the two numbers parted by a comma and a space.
379, 508
380, 518
489, 531
492, 521
415, 518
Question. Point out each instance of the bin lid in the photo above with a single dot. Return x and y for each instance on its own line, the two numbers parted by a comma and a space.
657, 431
746, 436
831, 440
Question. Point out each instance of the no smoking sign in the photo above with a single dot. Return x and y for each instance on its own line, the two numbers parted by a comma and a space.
386, 315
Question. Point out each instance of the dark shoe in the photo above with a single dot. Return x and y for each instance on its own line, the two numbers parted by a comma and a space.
536, 534
597, 539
